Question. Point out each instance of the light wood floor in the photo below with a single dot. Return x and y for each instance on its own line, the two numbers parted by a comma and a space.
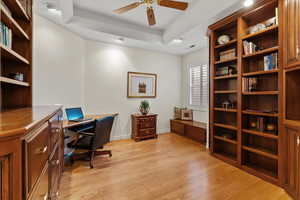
169, 168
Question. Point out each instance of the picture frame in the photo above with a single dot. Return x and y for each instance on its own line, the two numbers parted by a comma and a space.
141, 85
187, 115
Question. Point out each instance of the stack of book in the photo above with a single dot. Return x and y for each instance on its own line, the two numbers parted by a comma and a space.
271, 61
249, 84
249, 47
5, 36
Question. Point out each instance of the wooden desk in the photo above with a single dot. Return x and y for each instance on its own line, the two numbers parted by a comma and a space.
69, 124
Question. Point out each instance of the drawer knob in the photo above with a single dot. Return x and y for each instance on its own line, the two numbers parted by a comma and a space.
55, 162
42, 151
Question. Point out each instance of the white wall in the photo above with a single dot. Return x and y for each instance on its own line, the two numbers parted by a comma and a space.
105, 88
57, 65
74, 72
192, 59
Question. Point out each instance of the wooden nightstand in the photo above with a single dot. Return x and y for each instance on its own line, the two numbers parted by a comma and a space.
143, 126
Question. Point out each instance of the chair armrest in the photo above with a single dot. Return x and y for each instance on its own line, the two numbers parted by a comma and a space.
86, 134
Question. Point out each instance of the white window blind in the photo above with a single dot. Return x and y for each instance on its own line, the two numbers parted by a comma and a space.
199, 86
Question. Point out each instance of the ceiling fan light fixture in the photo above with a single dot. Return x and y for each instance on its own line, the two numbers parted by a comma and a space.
248, 3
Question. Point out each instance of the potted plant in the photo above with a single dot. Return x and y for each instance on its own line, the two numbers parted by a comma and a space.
144, 107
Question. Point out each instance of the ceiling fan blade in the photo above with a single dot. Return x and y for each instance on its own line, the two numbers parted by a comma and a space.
173, 4
151, 16
127, 8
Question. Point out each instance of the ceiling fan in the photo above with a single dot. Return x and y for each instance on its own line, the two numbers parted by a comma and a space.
150, 13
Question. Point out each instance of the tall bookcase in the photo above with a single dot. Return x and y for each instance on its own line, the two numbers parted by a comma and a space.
247, 133
16, 16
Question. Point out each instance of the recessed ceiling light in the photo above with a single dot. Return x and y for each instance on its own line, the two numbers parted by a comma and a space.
248, 3
177, 41
120, 40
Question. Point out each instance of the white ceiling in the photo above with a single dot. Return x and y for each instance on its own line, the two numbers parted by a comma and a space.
94, 20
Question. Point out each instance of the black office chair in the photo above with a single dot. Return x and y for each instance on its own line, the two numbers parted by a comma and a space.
93, 139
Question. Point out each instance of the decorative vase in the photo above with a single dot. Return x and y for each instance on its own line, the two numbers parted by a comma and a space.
144, 111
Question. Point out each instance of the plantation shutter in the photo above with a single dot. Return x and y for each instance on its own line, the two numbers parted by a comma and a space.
199, 86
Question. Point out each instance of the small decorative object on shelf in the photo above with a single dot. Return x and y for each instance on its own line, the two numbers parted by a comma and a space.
17, 76
187, 114
144, 107
257, 28
228, 105
224, 71
227, 55
271, 127
223, 39
177, 112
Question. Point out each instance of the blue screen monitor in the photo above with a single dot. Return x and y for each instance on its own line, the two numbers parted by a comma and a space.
74, 113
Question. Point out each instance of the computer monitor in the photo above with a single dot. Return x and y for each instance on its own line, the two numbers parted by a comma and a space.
74, 113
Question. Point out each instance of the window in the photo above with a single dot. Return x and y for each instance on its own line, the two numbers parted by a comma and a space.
199, 88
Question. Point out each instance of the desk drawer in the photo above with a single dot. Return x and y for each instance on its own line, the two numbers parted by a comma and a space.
37, 154
55, 124
41, 189
146, 132
146, 122
55, 173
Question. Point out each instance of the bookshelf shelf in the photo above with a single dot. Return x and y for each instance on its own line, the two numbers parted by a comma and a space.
17, 9
12, 81
262, 52
11, 23
225, 77
225, 92
230, 127
258, 73
12, 55
262, 93
225, 110
261, 151
225, 139
225, 61
260, 113
261, 33
226, 156
262, 134
226, 45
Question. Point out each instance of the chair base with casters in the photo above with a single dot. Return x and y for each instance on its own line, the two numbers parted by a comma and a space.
92, 141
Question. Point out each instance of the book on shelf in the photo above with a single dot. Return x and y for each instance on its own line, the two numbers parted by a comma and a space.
249, 84
6, 36
271, 61
249, 47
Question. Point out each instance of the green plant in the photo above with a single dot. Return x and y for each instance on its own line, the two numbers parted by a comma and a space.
144, 107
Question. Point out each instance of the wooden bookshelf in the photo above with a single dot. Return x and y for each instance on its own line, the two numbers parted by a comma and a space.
225, 109
261, 33
255, 151
12, 81
227, 44
225, 61
261, 73
18, 58
262, 52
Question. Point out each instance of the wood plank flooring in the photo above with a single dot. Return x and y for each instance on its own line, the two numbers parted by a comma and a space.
168, 168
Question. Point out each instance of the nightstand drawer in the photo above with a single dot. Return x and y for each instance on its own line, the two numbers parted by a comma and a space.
146, 132
144, 123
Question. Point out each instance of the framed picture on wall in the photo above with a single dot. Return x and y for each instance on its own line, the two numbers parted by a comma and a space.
141, 85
